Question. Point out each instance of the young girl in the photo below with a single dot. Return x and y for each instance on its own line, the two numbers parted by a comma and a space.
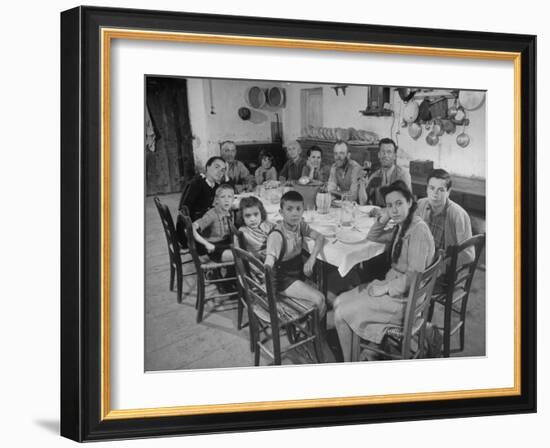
214, 237
256, 226
266, 171
368, 309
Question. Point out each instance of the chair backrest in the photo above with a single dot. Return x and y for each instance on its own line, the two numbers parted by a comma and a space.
258, 282
169, 231
184, 193
184, 222
180, 228
237, 236
417, 309
461, 275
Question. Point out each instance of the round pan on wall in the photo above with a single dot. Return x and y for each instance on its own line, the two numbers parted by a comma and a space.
255, 97
276, 97
470, 99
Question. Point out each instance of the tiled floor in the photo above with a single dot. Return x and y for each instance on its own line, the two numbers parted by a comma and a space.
173, 339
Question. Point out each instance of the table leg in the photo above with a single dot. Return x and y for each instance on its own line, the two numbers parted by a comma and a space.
321, 274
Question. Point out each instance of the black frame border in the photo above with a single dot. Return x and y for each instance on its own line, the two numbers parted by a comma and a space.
81, 223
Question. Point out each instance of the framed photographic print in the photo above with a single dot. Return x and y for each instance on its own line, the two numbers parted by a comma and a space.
276, 224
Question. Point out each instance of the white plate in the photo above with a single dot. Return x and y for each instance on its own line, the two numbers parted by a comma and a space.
366, 209
325, 229
350, 236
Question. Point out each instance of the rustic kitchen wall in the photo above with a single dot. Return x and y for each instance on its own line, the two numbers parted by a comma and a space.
343, 111
470, 161
225, 124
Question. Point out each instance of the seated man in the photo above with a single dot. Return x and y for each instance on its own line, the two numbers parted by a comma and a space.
237, 173
344, 173
389, 172
292, 169
199, 195
449, 222
314, 168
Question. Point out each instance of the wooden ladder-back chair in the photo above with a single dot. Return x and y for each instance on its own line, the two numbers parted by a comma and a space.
453, 290
175, 251
205, 269
409, 340
239, 242
274, 315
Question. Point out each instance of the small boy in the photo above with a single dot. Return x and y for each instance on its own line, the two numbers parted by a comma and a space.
266, 171
215, 237
284, 250
292, 169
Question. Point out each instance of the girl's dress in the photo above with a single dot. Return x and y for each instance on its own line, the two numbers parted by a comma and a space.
369, 316
256, 238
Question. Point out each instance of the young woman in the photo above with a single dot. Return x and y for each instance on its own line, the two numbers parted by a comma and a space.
368, 309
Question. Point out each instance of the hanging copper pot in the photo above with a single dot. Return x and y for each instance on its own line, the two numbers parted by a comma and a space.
463, 139
415, 131
410, 112
432, 139
438, 128
449, 127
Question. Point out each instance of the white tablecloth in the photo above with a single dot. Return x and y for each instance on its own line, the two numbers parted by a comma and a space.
345, 255
342, 255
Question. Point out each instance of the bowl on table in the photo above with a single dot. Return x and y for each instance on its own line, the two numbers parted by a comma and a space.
350, 236
325, 228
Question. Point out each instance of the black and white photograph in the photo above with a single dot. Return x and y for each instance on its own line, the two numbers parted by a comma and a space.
303, 223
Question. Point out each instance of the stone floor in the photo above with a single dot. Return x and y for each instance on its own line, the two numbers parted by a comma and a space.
173, 339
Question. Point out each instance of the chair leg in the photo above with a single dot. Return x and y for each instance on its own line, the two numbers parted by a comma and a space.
431, 311
179, 276
447, 326
462, 333
240, 308
256, 352
200, 296
172, 272
319, 325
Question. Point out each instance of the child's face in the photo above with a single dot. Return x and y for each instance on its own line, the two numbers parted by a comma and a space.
266, 163
292, 212
225, 199
252, 216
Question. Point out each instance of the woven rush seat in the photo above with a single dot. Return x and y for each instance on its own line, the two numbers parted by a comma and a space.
289, 309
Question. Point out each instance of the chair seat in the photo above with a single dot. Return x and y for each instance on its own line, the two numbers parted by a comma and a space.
215, 265
289, 310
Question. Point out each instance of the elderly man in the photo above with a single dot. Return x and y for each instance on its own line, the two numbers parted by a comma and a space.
389, 172
345, 173
449, 222
292, 169
236, 173
198, 196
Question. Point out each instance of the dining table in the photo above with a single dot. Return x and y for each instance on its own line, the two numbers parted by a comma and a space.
346, 244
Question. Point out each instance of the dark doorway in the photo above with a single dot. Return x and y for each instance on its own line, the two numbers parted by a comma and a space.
171, 163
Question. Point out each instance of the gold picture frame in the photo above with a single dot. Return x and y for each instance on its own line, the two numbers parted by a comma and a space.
96, 29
